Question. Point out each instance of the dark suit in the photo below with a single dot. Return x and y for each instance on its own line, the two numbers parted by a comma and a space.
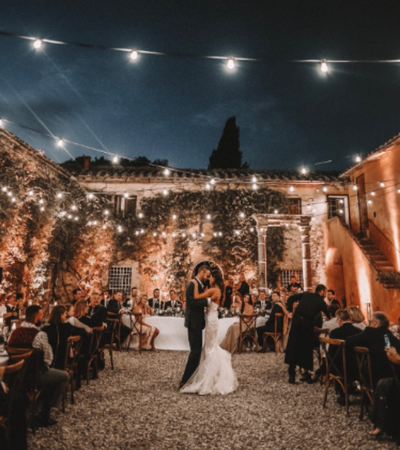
270, 324
114, 306
373, 339
228, 297
302, 339
155, 303
98, 315
267, 305
292, 300
244, 288
168, 304
195, 322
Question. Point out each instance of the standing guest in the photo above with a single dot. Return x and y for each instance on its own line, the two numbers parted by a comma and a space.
331, 299
149, 333
97, 312
244, 287
293, 286
114, 306
58, 331
231, 339
357, 317
155, 302
228, 293
71, 315
374, 338
77, 295
28, 335
262, 302
12, 309
173, 302
293, 301
301, 342
269, 327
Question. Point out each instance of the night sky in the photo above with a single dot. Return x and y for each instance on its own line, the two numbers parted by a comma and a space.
289, 114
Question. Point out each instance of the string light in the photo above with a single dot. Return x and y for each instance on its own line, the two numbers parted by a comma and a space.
230, 64
237, 232
9, 193
324, 66
134, 55
42, 208
76, 218
106, 212
30, 193
37, 44
254, 186
325, 189
140, 215
208, 216
254, 179
126, 195
119, 229
41, 201
215, 234
154, 234
202, 234
398, 191
173, 235
4, 189
13, 200
90, 196
286, 225
167, 172
219, 233
208, 187
163, 233
69, 216
381, 184
73, 207
276, 211
358, 158
115, 159
303, 171
60, 143
183, 234
242, 215
142, 231
251, 229
174, 217
291, 189
212, 181
165, 192
95, 222
59, 195
373, 193
355, 188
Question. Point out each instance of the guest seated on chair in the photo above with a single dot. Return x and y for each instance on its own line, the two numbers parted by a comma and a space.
386, 408
114, 307
269, 327
149, 333
81, 310
131, 302
231, 340
332, 323
28, 335
173, 302
83, 307
58, 330
331, 299
357, 317
262, 303
155, 302
374, 338
97, 312
77, 296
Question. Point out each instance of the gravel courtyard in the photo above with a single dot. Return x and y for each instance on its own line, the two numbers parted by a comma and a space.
138, 406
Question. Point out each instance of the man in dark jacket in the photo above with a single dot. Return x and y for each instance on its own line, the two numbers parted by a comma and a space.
114, 307
373, 338
97, 312
302, 339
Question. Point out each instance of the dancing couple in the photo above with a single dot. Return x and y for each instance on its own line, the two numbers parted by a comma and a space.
209, 369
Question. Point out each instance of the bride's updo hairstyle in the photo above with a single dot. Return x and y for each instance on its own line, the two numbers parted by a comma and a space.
219, 281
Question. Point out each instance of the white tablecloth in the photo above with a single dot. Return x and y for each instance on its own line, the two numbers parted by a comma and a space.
173, 334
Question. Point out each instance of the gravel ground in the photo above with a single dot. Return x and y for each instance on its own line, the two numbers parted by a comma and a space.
138, 406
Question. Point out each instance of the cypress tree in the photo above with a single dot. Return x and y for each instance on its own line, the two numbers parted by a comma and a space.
227, 155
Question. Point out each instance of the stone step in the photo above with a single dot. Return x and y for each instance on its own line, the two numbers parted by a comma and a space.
384, 262
378, 257
386, 269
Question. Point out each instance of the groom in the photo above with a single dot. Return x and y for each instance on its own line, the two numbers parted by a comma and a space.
195, 321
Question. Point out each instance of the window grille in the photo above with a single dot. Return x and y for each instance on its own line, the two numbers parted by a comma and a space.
120, 278
286, 274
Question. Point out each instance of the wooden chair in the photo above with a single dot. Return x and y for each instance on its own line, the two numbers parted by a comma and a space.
275, 335
318, 350
117, 333
71, 366
339, 375
93, 352
247, 327
365, 375
112, 329
34, 363
11, 375
136, 328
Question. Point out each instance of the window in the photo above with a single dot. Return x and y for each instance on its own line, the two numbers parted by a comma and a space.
120, 278
286, 274
294, 205
338, 206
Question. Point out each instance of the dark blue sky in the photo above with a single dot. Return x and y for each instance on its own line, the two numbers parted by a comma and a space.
175, 108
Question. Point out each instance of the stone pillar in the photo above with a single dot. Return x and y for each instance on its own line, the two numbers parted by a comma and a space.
306, 255
262, 258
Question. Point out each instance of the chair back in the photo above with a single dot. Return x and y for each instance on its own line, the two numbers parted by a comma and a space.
136, 322
72, 352
278, 316
364, 371
247, 324
335, 362
112, 329
95, 340
322, 331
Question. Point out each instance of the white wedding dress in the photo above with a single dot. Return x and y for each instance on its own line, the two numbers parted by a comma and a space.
215, 374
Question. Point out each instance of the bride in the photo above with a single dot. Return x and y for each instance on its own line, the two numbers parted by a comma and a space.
215, 374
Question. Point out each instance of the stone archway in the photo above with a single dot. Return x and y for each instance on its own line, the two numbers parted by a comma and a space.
264, 221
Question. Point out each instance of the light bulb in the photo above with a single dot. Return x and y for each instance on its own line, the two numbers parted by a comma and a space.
154, 234
173, 234
42, 208
254, 179
73, 207
220, 233
241, 215
237, 232
291, 189
89, 223
106, 212
41, 201
9, 193
276, 211
373, 193
358, 159
202, 235
212, 181
134, 55
251, 229
286, 225
13, 200
303, 170
165, 192
167, 172
163, 233
340, 211
30, 193
174, 216
76, 218
398, 191
140, 215
324, 188
382, 184
208, 187
141, 231
324, 66
208, 216
95, 222
115, 159
215, 234
37, 44
254, 187
69, 216
230, 63
90, 196
60, 143
369, 202
136, 232
59, 195
126, 195
183, 234
4, 189
193, 235
355, 187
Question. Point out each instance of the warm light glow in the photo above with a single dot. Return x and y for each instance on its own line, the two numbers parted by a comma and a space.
254, 179
30, 193
90, 196
60, 142
4, 189
220, 233
13, 200
134, 55
41, 201
215, 234
76, 218
242, 215
202, 235
95, 222
183, 234
286, 225
119, 229
230, 64
165, 192
42, 208
340, 211
254, 187
154, 234
106, 212
303, 170
59, 195
398, 191
369, 202
140, 215
381, 184
73, 207
167, 172
324, 66
141, 231
174, 217
193, 235
173, 234
237, 232
69, 216
325, 189
212, 181
252, 229
136, 232
208, 216
126, 195
276, 211
37, 44
355, 187
341, 201
208, 187
9, 193
358, 158
115, 159
163, 233
373, 193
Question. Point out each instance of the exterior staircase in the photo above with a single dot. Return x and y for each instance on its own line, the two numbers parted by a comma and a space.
377, 258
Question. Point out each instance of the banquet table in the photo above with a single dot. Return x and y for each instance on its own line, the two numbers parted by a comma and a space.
173, 334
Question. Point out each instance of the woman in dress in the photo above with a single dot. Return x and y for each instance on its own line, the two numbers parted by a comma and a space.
356, 317
231, 340
149, 333
215, 374
74, 320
